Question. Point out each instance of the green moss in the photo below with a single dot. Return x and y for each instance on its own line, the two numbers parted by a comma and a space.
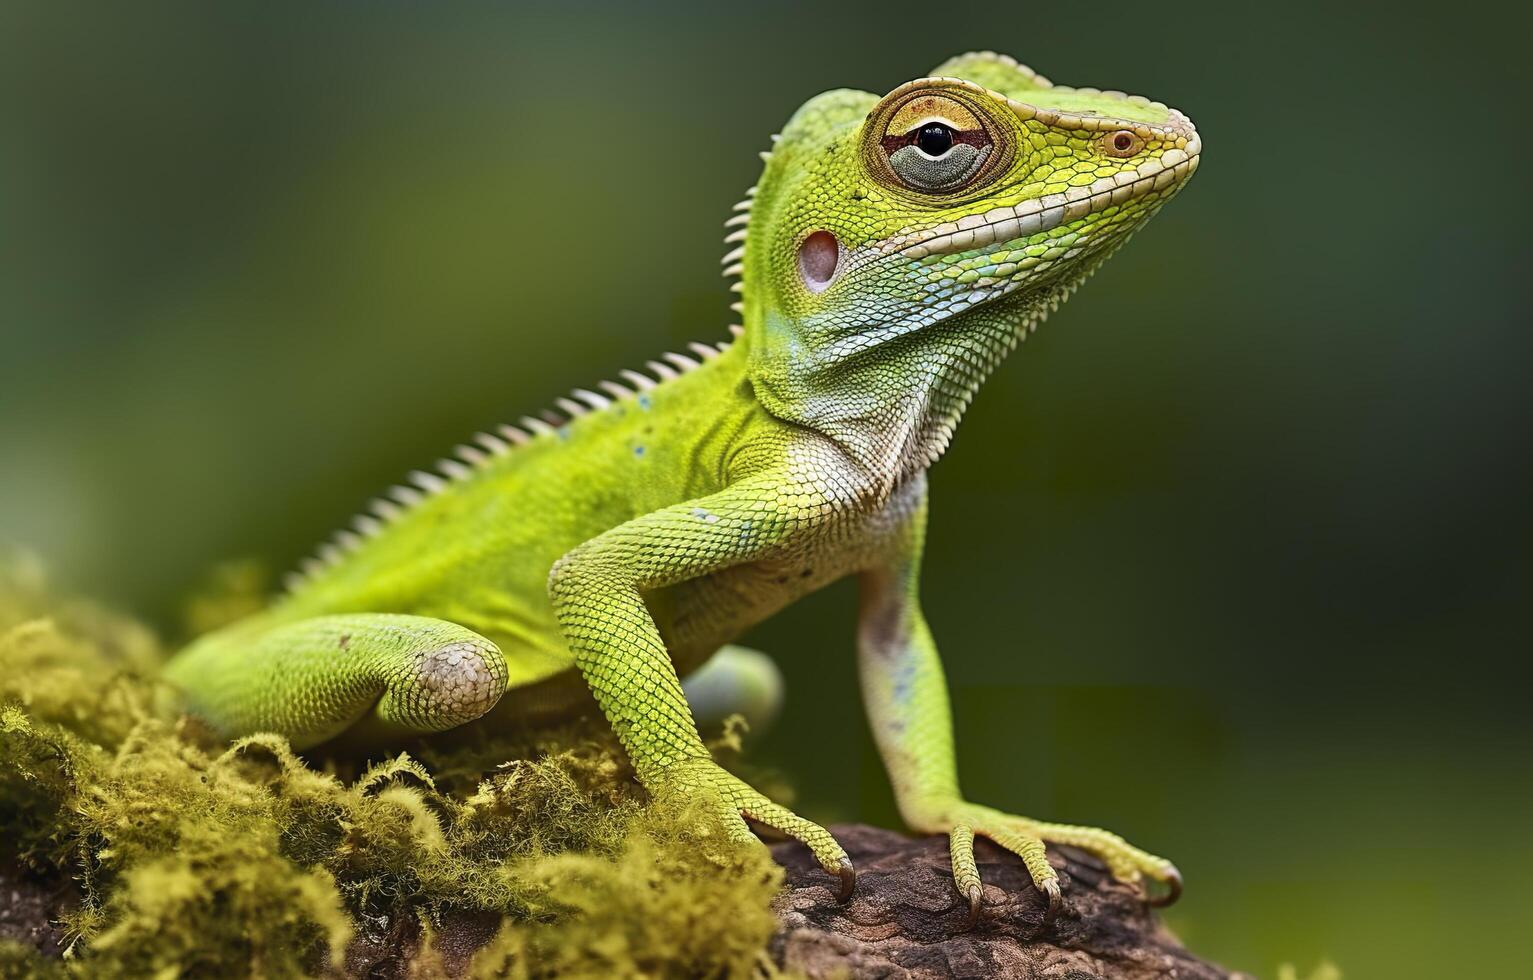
191, 857
20, 960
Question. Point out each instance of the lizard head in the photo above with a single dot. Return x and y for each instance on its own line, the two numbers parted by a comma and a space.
950, 215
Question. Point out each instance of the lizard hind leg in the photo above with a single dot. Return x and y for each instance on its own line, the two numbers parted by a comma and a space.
388, 675
735, 681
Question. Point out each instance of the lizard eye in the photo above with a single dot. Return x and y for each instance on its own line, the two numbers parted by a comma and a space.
934, 141
1123, 143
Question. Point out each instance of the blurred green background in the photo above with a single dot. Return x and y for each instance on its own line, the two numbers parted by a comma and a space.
1232, 558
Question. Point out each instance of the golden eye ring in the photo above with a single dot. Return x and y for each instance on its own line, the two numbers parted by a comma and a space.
936, 141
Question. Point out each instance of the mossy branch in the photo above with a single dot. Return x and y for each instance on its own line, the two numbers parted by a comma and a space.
174, 854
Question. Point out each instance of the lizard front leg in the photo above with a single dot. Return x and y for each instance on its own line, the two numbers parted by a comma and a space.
907, 703
598, 594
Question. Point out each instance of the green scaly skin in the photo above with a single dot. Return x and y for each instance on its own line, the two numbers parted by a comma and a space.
624, 546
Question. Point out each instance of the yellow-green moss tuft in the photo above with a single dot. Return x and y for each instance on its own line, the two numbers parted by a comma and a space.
191, 857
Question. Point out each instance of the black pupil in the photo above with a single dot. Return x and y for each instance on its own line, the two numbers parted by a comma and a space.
934, 139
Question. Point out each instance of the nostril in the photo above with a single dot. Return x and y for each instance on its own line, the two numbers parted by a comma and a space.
818, 256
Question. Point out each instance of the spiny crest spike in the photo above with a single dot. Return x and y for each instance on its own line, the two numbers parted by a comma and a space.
743, 218
681, 361
733, 255
591, 398
513, 435
639, 381
703, 350
385, 509
573, 409
662, 371
738, 269
493, 444
405, 496
472, 455
738, 307
616, 390
736, 330
536, 426
738, 235
453, 470
429, 482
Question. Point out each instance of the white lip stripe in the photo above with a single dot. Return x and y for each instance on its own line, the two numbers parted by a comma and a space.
1046, 213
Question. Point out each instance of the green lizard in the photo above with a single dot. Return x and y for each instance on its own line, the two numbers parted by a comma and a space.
893, 252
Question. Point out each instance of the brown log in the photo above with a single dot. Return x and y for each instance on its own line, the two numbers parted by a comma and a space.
907, 921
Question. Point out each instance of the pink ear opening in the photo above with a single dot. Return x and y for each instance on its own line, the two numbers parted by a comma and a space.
818, 256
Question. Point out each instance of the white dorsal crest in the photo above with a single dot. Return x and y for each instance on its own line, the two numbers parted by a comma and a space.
739, 225
486, 448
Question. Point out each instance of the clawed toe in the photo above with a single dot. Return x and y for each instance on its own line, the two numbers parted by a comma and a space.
976, 905
848, 881
1173, 883
1050, 889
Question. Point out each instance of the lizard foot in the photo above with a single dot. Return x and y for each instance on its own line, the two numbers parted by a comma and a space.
738, 802
1026, 839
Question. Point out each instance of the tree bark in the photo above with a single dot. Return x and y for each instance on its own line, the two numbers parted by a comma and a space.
907, 921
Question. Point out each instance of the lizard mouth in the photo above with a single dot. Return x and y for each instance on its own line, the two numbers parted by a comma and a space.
1046, 213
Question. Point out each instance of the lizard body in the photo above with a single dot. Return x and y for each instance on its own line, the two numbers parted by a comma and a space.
893, 252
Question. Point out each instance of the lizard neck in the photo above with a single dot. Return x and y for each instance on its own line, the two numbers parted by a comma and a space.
892, 399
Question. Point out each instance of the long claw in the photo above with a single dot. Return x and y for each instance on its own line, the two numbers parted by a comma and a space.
848, 881
1173, 890
1050, 888
976, 905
